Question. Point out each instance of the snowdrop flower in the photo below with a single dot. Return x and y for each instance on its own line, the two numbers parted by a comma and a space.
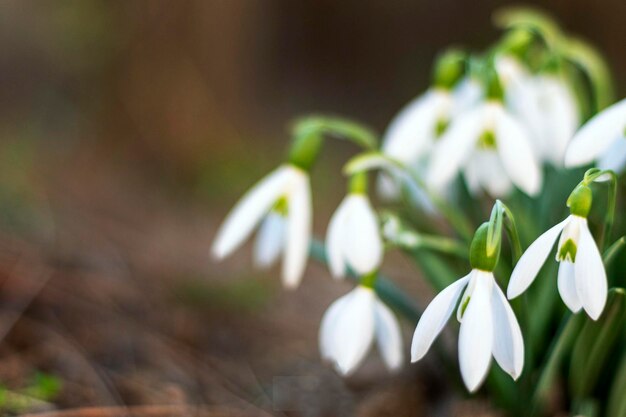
282, 200
410, 136
547, 106
353, 238
413, 132
602, 138
488, 324
581, 279
512, 73
491, 148
350, 326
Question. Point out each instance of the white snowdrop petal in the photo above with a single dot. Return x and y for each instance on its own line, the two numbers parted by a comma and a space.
597, 135
511, 71
455, 146
270, 240
388, 336
567, 286
411, 133
334, 239
467, 94
363, 245
561, 115
476, 335
329, 320
249, 211
532, 260
615, 157
435, 317
353, 332
299, 220
591, 283
518, 158
508, 345
491, 174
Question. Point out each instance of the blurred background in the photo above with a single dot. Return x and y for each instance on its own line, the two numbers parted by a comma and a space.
127, 131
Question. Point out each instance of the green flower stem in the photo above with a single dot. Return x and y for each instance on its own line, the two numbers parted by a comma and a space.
609, 218
309, 133
456, 218
376, 160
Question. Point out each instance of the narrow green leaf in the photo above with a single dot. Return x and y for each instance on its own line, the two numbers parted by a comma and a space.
617, 398
549, 370
595, 343
613, 250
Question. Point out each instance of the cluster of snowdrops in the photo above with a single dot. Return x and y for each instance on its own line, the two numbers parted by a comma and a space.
523, 140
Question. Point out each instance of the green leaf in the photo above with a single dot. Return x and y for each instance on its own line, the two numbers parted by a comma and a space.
617, 400
595, 343
549, 370
613, 250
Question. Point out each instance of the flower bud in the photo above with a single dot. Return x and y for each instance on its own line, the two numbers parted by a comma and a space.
449, 69
480, 258
579, 201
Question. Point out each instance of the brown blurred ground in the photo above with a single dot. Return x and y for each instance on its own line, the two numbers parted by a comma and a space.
129, 129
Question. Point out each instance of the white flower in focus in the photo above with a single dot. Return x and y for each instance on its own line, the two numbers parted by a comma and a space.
413, 132
353, 238
491, 148
488, 327
283, 200
602, 138
350, 326
582, 279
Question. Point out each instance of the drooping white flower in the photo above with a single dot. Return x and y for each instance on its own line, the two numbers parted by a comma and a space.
350, 326
547, 106
582, 279
353, 238
512, 72
413, 132
491, 148
602, 138
283, 201
488, 327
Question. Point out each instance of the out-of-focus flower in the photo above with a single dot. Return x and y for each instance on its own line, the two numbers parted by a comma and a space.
603, 138
353, 238
415, 129
488, 327
350, 326
283, 201
582, 279
491, 148
547, 106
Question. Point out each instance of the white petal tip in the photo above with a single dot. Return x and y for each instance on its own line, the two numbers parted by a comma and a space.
594, 315
512, 293
290, 283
